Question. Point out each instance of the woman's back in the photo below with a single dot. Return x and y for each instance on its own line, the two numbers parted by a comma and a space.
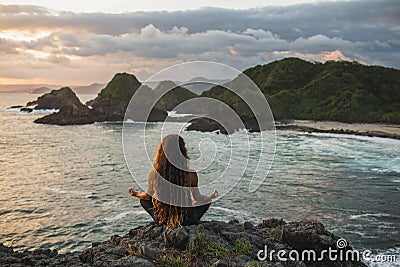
173, 187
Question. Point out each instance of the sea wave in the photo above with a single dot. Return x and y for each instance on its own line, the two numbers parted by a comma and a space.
74, 193
391, 251
123, 215
173, 114
354, 136
387, 171
128, 121
366, 215
226, 210
34, 111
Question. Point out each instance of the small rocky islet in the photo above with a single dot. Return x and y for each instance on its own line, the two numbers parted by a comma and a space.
211, 243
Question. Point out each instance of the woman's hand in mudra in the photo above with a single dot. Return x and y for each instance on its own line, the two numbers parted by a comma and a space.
133, 192
213, 195
140, 195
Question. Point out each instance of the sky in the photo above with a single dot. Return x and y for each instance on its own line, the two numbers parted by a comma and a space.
81, 42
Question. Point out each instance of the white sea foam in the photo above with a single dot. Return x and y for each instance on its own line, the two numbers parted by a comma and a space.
44, 111
390, 251
55, 190
34, 111
390, 170
355, 217
128, 121
74, 193
173, 114
226, 210
354, 136
109, 131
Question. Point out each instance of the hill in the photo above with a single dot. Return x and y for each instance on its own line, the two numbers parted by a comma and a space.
113, 100
174, 97
336, 90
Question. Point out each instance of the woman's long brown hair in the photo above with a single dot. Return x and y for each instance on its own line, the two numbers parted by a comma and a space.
171, 166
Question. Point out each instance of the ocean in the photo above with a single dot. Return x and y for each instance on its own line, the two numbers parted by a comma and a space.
64, 187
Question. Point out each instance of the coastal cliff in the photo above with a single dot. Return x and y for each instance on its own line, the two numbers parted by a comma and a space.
211, 243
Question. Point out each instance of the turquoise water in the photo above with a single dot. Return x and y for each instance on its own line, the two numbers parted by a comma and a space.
65, 187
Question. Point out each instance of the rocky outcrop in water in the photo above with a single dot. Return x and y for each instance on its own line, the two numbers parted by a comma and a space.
209, 125
71, 110
113, 100
110, 104
57, 99
213, 243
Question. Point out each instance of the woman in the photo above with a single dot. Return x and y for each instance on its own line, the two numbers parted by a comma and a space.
173, 197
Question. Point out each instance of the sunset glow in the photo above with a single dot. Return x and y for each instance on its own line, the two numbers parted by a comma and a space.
22, 35
50, 44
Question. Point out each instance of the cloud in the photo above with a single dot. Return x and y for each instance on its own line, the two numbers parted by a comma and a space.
366, 31
334, 55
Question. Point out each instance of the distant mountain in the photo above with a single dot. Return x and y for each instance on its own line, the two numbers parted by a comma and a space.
197, 85
41, 90
175, 95
200, 84
93, 88
26, 88
336, 90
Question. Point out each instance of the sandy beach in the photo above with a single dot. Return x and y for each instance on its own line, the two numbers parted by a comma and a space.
365, 129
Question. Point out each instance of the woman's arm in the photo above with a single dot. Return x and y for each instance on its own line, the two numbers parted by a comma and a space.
144, 195
197, 196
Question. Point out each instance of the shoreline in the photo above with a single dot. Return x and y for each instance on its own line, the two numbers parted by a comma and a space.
362, 129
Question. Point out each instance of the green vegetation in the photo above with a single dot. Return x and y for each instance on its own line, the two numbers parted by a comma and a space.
243, 246
115, 97
171, 261
204, 247
253, 263
295, 89
336, 90
118, 91
174, 97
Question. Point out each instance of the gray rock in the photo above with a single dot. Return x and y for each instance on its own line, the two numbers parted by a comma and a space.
115, 239
27, 110
177, 238
241, 260
220, 263
146, 245
248, 226
133, 261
